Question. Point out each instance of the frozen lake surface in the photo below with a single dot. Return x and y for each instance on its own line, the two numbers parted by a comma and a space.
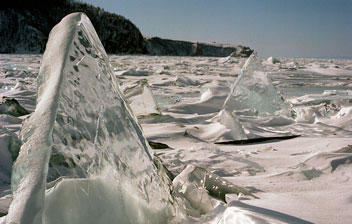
307, 177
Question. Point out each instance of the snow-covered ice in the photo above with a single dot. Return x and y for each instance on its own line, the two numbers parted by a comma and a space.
301, 180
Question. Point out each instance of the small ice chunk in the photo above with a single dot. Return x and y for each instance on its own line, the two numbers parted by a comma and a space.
141, 99
9, 147
226, 59
200, 187
231, 122
337, 92
290, 66
190, 184
273, 60
186, 81
134, 72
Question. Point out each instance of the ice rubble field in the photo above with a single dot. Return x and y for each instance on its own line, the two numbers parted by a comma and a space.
179, 102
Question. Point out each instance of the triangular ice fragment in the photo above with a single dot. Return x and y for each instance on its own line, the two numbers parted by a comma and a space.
253, 93
83, 130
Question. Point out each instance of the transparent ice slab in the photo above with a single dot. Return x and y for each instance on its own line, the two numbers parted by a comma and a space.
254, 94
84, 131
141, 99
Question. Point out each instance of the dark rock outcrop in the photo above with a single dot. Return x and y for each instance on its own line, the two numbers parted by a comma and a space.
25, 26
159, 46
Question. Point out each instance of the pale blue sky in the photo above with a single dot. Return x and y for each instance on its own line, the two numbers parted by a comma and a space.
281, 28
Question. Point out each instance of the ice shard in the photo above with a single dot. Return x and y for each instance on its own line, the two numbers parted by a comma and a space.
141, 99
254, 94
84, 138
232, 123
253, 103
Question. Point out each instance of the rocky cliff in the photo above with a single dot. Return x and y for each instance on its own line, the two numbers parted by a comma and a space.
159, 46
25, 26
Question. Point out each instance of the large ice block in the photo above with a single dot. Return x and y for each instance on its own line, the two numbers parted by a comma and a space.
84, 131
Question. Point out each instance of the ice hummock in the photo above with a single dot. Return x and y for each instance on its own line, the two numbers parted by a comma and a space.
254, 94
84, 138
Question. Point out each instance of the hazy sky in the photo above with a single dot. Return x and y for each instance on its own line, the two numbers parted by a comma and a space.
282, 28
